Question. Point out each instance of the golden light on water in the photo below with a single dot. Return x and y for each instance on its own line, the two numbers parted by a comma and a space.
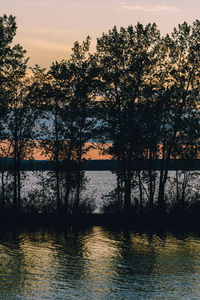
97, 263
99, 247
38, 254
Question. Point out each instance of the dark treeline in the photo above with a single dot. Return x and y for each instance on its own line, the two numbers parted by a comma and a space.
139, 93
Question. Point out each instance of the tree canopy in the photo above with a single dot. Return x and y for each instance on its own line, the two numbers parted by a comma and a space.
138, 93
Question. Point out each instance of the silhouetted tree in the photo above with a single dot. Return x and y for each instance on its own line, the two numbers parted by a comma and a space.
48, 97
179, 93
21, 121
67, 97
13, 66
127, 63
77, 74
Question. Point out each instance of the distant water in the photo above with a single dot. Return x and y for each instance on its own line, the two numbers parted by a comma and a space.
98, 264
99, 184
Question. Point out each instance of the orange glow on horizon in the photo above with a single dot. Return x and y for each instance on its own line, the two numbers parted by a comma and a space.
38, 152
94, 153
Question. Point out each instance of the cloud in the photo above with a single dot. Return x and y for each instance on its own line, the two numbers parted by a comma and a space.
154, 8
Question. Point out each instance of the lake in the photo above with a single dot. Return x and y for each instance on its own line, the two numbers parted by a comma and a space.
101, 183
98, 263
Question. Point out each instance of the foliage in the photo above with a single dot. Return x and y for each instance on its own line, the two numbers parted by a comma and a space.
138, 94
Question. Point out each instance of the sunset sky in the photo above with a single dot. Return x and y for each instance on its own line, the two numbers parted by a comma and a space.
47, 29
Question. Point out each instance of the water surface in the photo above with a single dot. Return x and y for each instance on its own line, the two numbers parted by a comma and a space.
98, 263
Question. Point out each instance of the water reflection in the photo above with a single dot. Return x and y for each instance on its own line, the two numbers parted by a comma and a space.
98, 263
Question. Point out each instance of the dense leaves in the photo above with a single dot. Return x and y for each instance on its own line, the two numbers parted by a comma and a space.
138, 94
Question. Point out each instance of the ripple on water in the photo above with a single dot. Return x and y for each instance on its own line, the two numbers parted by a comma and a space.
99, 263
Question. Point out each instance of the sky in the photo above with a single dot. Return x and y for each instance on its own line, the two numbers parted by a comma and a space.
47, 29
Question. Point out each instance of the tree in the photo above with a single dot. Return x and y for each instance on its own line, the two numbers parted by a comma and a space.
77, 75
178, 93
47, 96
127, 65
21, 119
67, 95
13, 66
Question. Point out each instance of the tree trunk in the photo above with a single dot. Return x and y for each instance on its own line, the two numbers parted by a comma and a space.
2, 191
19, 189
15, 189
127, 195
177, 188
58, 201
141, 192
164, 173
67, 185
151, 191
58, 188
119, 186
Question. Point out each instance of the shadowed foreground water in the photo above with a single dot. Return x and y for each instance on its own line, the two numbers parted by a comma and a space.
98, 263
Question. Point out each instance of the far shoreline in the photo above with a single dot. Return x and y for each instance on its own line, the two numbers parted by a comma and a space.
103, 165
